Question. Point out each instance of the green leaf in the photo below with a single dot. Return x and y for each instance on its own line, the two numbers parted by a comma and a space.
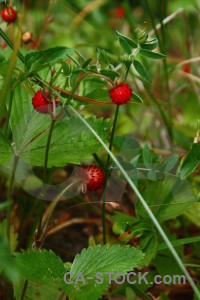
141, 70
167, 266
150, 54
86, 63
38, 60
150, 45
191, 161
131, 43
70, 143
36, 291
167, 199
130, 294
110, 73
122, 222
180, 242
125, 45
136, 97
101, 259
7, 262
151, 175
147, 157
42, 267
13, 235
127, 147
6, 151
103, 57
149, 245
193, 213
171, 162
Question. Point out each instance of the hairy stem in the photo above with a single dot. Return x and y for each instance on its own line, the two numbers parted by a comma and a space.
107, 174
108, 164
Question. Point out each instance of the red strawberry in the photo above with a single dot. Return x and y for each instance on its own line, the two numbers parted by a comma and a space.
41, 102
121, 94
186, 68
95, 177
120, 12
9, 14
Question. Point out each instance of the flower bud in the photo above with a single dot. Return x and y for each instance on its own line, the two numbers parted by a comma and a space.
27, 37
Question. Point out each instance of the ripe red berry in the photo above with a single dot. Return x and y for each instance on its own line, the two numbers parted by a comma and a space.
121, 94
95, 177
41, 102
186, 68
120, 12
9, 14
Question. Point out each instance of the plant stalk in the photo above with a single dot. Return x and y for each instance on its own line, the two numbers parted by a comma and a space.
45, 176
108, 164
107, 174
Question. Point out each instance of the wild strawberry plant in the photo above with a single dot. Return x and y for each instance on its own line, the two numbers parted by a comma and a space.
54, 147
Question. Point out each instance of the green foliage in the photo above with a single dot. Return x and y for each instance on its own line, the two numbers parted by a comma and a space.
148, 161
6, 152
38, 60
171, 162
102, 259
152, 55
190, 162
122, 222
168, 199
150, 45
149, 245
141, 70
42, 267
70, 143
46, 269
13, 234
129, 41
36, 291
165, 265
7, 263
136, 98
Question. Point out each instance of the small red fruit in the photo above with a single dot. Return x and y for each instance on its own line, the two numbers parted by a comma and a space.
121, 94
9, 14
41, 102
186, 68
120, 12
95, 177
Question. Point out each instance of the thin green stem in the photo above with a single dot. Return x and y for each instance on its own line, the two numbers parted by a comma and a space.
98, 160
45, 175
10, 194
108, 164
107, 175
